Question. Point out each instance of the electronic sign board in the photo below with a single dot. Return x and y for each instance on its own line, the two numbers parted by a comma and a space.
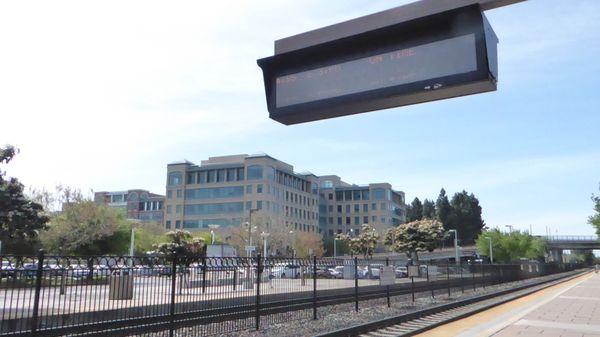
439, 56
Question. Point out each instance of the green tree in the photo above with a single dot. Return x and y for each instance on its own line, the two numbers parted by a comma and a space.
415, 211
414, 237
365, 243
508, 247
465, 217
181, 243
21, 219
428, 209
594, 219
147, 235
87, 228
443, 209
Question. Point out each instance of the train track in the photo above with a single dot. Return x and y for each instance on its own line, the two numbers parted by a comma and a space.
413, 323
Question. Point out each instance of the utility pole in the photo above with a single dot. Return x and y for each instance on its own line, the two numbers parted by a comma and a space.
456, 258
491, 251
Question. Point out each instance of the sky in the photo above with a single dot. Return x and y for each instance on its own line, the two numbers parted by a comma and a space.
103, 95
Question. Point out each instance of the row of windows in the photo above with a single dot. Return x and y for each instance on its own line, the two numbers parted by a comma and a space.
356, 208
354, 195
215, 193
150, 206
215, 176
218, 208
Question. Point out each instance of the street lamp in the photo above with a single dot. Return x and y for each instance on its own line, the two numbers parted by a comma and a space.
510, 228
491, 251
456, 258
293, 244
212, 233
335, 240
264, 235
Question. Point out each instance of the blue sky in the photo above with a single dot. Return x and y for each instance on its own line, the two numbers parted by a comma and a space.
103, 96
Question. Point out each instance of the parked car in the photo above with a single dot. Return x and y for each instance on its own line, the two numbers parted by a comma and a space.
375, 270
285, 270
337, 272
76, 271
401, 271
28, 270
52, 269
100, 270
7, 269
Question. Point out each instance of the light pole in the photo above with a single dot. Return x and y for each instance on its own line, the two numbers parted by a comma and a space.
212, 233
264, 235
491, 251
510, 228
456, 258
131, 242
335, 240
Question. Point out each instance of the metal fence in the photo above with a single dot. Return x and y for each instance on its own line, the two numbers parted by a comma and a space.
48, 295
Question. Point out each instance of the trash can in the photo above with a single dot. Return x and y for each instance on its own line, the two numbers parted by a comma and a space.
121, 286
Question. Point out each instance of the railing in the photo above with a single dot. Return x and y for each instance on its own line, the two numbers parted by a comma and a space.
571, 238
47, 295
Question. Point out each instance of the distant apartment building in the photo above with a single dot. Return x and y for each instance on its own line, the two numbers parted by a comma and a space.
138, 204
344, 208
221, 191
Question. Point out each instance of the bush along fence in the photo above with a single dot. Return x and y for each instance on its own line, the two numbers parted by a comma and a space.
47, 295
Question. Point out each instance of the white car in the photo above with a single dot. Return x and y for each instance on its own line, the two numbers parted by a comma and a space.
285, 270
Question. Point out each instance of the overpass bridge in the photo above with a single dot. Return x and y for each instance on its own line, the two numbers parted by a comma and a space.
558, 243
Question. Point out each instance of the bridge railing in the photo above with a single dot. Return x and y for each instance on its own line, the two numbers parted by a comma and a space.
571, 238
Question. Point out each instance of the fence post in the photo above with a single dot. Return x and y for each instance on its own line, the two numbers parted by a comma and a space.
473, 271
38, 287
462, 284
448, 276
258, 279
314, 287
356, 283
387, 287
173, 290
235, 279
428, 282
482, 275
204, 274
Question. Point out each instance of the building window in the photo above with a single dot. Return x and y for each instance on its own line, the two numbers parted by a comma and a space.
191, 178
330, 208
357, 220
248, 189
175, 178
356, 208
365, 195
231, 174
356, 195
179, 193
259, 188
168, 224
240, 174
168, 209
212, 176
218, 208
169, 194
248, 205
330, 220
383, 206
178, 224
328, 184
331, 232
378, 193
270, 173
365, 208
255, 172
259, 204
220, 176
215, 192
339, 208
347, 220
177, 209
373, 207
357, 231
202, 177
348, 195
347, 208
365, 219
339, 220
339, 195
330, 196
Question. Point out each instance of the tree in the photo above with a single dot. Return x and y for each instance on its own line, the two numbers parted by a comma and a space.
443, 209
147, 236
21, 219
414, 237
87, 228
508, 247
428, 209
307, 242
364, 243
415, 211
465, 217
594, 220
181, 243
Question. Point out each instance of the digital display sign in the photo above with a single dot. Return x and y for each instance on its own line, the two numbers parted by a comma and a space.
431, 60
444, 55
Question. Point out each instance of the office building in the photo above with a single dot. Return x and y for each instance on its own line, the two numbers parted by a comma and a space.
221, 191
138, 204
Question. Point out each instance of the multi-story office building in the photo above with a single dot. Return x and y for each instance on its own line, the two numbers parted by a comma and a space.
344, 208
222, 190
138, 204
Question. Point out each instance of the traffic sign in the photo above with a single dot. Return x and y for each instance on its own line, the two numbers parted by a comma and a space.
250, 248
413, 271
387, 276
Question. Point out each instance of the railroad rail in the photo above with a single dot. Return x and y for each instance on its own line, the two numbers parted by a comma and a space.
416, 322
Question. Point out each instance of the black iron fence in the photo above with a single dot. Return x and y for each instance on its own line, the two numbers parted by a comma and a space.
48, 295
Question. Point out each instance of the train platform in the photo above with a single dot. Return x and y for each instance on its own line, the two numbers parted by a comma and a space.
569, 309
